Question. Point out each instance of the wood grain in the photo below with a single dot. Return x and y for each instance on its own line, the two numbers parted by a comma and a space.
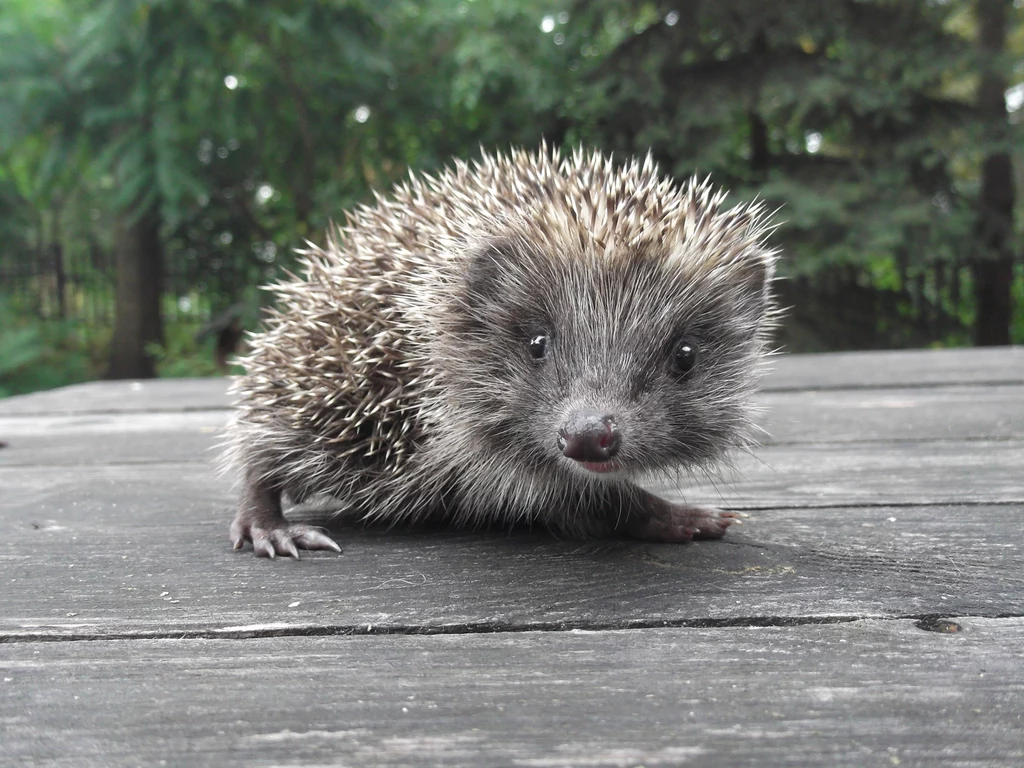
170, 395
838, 416
843, 370
940, 472
892, 486
111, 438
882, 415
143, 549
897, 368
856, 694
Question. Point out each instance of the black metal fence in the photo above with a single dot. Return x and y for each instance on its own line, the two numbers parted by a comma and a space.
80, 287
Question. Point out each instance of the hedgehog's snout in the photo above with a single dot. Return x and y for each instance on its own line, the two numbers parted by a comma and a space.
589, 436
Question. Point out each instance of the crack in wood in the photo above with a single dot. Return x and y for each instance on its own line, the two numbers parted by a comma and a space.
932, 622
888, 386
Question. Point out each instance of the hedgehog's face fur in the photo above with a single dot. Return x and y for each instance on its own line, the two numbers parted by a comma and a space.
657, 340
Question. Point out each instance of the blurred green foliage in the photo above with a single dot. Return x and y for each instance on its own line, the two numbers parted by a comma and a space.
211, 137
182, 355
41, 355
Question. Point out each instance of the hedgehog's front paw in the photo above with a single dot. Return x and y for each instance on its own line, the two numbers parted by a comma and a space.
271, 538
660, 520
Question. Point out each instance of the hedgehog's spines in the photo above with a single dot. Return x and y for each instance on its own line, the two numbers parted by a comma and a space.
343, 388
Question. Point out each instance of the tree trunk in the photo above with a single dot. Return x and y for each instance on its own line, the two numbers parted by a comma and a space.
137, 319
759, 155
993, 263
993, 270
57, 250
57, 258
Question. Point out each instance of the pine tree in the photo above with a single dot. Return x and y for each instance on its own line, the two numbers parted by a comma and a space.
861, 118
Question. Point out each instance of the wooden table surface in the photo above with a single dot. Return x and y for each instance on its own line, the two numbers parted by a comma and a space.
870, 611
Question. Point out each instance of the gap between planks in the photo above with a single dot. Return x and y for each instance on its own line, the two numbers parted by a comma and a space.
930, 622
766, 390
755, 453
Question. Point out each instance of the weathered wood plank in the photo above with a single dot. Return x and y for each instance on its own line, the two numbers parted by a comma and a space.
113, 524
946, 413
809, 475
900, 368
940, 472
841, 370
862, 415
96, 439
863, 693
111, 438
144, 548
122, 397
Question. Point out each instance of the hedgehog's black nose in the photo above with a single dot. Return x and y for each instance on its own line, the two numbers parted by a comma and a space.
589, 436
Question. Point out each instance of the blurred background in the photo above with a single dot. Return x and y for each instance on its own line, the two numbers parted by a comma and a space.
159, 160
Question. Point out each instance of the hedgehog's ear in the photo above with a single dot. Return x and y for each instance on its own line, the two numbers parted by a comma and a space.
485, 272
755, 271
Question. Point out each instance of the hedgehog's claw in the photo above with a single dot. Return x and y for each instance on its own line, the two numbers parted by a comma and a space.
283, 543
308, 537
660, 520
260, 520
262, 545
713, 522
285, 540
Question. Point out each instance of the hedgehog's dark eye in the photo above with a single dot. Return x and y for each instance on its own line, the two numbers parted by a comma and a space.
684, 356
538, 346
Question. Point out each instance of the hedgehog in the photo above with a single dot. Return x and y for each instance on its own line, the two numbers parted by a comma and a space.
522, 339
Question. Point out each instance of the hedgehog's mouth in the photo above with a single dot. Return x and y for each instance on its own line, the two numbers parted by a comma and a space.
604, 471
601, 467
